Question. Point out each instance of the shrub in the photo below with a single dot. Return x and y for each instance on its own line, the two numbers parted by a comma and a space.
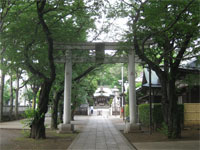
126, 110
157, 117
144, 114
164, 129
31, 114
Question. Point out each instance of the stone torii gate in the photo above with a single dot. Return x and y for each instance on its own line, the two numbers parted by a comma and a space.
99, 57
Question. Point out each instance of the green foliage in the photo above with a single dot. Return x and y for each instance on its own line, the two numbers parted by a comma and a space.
29, 94
26, 133
164, 129
144, 114
127, 97
191, 80
31, 114
110, 74
164, 33
138, 85
6, 94
181, 112
157, 114
110, 101
126, 110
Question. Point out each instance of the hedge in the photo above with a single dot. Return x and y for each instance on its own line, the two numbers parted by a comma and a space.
126, 110
157, 117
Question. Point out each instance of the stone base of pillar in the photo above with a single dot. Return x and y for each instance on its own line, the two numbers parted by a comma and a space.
132, 128
65, 128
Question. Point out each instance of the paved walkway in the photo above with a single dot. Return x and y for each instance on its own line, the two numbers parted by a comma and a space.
100, 134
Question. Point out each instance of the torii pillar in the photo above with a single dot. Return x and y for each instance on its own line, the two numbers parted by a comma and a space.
67, 126
132, 125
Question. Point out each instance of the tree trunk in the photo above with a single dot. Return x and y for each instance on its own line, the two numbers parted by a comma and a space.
35, 89
60, 107
17, 97
170, 107
73, 108
34, 100
11, 96
37, 126
2, 76
174, 124
72, 114
54, 117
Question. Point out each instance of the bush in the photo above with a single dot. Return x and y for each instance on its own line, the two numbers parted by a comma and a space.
144, 114
126, 110
30, 114
157, 117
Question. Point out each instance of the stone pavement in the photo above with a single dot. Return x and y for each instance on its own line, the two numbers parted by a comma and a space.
100, 134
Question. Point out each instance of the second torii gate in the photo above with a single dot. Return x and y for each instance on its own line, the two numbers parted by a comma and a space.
99, 57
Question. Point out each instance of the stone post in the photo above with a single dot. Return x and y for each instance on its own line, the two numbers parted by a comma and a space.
66, 126
132, 126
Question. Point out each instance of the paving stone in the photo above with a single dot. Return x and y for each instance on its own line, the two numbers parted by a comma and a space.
100, 134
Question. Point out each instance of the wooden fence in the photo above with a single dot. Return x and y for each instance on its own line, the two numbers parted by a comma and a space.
192, 114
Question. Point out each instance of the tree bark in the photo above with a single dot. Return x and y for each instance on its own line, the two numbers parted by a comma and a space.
54, 119
34, 100
11, 96
60, 109
170, 107
17, 96
37, 126
72, 114
35, 89
174, 124
2, 76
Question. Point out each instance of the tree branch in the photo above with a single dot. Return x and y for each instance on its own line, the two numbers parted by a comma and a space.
40, 10
178, 16
28, 64
85, 73
182, 50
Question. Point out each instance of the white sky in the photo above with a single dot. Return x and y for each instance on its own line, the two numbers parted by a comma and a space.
115, 31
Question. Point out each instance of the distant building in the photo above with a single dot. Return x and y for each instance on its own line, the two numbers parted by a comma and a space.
187, 92
106, 101
102, 96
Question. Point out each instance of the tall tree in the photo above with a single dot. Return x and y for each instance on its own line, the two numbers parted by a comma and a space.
5, 6
30, 42
171, 31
